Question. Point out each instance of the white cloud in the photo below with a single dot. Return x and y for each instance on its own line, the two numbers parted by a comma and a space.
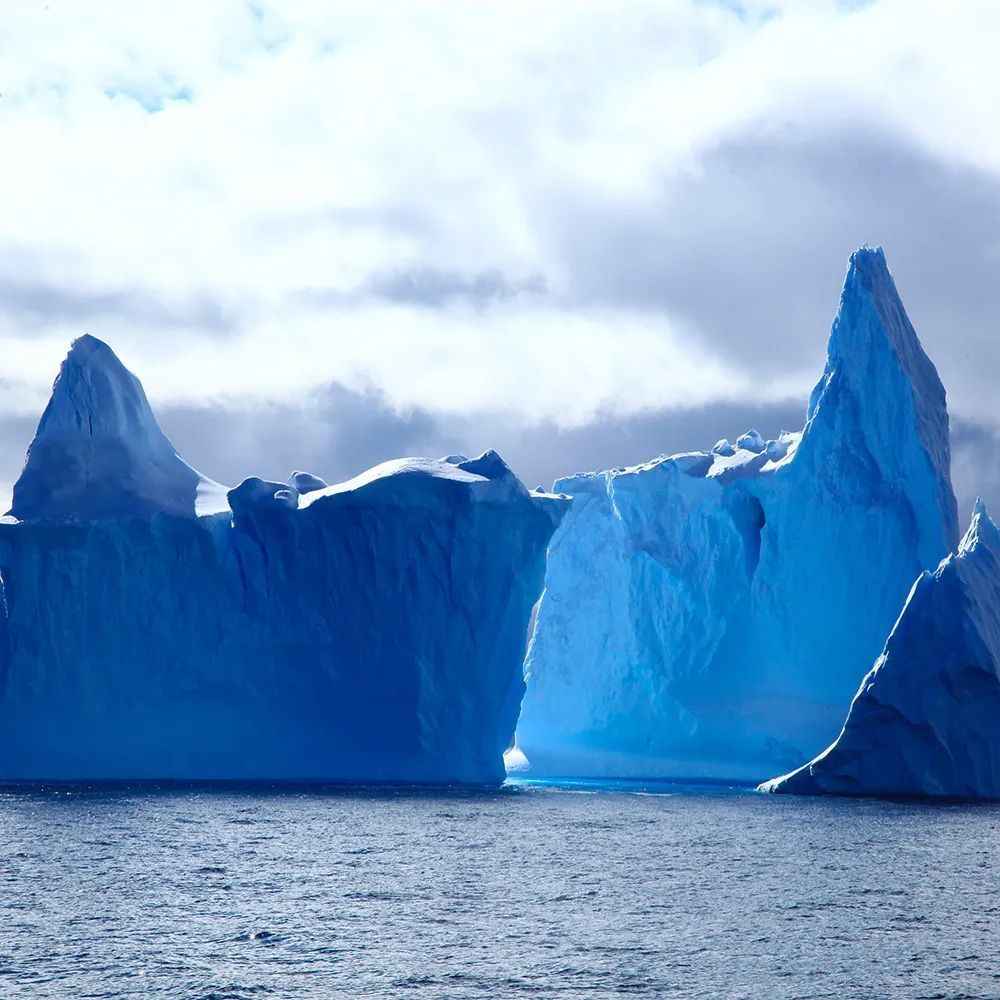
563, 368
160, 157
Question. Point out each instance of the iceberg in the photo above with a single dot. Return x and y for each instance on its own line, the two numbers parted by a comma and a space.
926, 719
707, 615
155, 625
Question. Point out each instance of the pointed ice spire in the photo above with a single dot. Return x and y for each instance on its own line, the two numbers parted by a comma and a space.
872, 319
99, 452
982, 531
880, 395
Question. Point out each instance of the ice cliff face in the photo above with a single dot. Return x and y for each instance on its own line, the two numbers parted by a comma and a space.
925, 720
708, 614
368, 631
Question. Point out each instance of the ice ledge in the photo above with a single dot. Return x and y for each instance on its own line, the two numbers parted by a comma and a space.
403, 481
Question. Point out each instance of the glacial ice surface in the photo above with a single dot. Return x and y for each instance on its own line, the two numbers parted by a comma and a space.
99, 452
155, 625
708, 614
926, 719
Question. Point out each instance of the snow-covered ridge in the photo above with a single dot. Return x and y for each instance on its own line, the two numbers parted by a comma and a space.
708, 614
749, 456
154, 624
926, 718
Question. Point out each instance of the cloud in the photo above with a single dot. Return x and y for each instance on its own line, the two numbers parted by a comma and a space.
340, 433
975, 469
749, 251
36, 304
552, 220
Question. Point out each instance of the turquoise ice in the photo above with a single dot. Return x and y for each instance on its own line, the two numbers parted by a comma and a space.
709, 614
925, 719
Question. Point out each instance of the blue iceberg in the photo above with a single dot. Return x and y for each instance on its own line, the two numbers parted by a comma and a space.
154, 625
925, 720
708, 614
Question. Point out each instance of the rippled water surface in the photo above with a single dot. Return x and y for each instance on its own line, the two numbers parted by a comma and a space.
530, 891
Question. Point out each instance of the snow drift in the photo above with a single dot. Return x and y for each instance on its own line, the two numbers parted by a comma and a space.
926, 720
153, 625
708, 614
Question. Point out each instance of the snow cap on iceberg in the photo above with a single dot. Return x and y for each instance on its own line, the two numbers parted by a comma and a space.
420, 481
751, 441
306, 482
98, 451
982, 531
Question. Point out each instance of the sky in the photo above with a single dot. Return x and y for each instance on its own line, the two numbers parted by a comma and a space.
584, 233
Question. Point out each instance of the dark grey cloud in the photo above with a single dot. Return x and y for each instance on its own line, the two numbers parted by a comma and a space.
15, 436
750, 247
975, 460
336, 434
342, 433
427, 287
748, 250
32, 303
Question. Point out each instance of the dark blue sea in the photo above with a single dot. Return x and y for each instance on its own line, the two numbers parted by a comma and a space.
530, 891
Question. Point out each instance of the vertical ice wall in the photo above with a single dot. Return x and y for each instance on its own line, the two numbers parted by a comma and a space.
367, 631
709, 614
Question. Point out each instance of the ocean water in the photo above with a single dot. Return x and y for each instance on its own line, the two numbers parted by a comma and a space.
530, 891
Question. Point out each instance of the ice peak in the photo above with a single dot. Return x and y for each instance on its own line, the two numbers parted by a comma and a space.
872, 318
869, 284
98, 451
489, 465
92, 364
868, 266
87, 346
880, 387
96, 394
982, 531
